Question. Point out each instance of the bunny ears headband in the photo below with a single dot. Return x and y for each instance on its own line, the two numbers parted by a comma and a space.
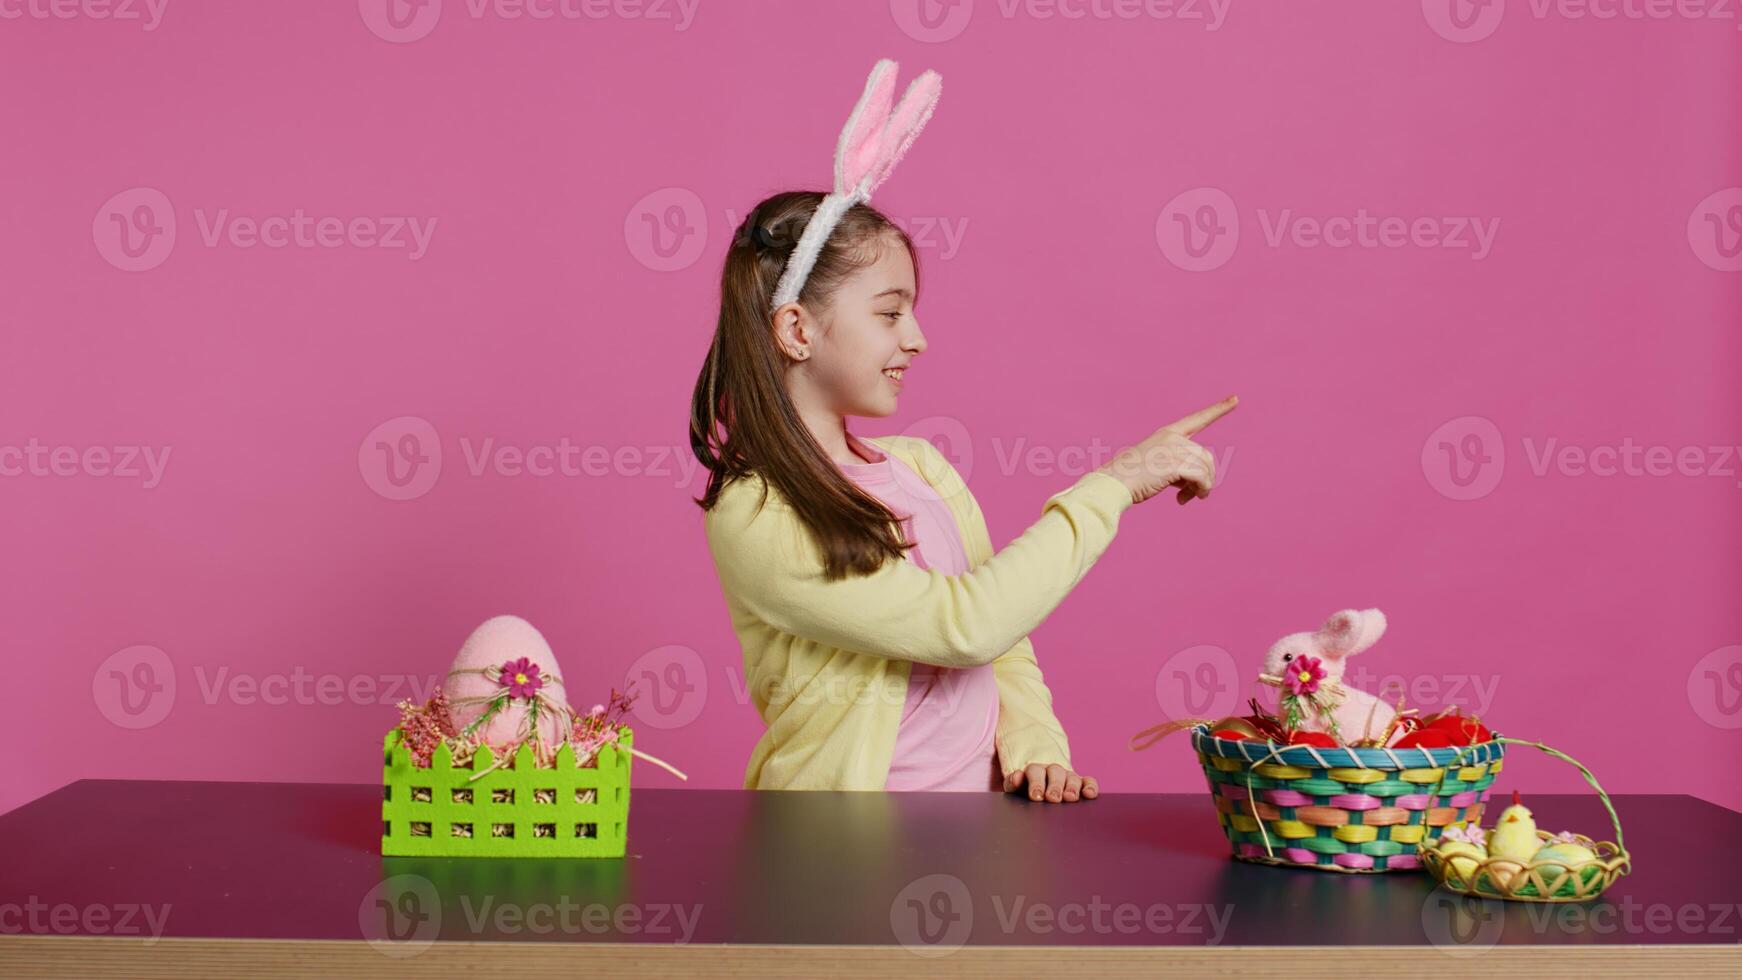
876, 136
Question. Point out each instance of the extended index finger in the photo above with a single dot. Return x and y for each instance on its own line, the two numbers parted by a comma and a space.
1198, 420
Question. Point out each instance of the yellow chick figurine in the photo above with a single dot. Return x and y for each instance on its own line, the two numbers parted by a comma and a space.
1514, 839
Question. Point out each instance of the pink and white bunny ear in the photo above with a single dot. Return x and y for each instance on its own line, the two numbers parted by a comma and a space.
861, 138
875, 138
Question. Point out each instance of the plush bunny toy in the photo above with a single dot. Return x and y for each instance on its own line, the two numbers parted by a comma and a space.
1310, 666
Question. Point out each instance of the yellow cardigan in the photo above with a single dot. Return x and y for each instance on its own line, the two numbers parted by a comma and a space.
827, 663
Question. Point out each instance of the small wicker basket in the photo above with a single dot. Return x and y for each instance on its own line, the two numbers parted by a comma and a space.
1536, 881
1344, 809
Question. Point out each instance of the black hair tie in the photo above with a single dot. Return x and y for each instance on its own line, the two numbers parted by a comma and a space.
761, 235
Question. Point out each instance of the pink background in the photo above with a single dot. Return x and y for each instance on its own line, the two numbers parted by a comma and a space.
1598, 613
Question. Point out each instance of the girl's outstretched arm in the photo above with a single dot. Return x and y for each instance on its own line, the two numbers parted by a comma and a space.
771, 569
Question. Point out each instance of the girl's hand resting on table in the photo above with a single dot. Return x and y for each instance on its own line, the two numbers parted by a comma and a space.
1056, 783
1170, 458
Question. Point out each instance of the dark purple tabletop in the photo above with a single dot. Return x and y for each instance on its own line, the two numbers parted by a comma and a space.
925, 870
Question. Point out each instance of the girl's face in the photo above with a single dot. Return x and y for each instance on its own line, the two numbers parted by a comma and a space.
858, 358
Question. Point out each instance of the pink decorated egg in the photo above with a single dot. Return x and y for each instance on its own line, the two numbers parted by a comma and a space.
524, 666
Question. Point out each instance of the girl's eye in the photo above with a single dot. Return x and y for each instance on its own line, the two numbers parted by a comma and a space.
896, 314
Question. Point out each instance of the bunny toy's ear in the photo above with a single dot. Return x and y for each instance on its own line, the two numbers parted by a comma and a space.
1350, 631
875, 138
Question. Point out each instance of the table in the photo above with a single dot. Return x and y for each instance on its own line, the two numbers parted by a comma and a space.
187, 878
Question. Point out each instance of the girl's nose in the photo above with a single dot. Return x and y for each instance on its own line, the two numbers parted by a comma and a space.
915, 341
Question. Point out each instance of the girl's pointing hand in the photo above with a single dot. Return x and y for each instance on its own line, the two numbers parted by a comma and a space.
1054, 783
1169, 458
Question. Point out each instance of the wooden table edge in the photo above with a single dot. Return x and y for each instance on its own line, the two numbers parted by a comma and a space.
267, 959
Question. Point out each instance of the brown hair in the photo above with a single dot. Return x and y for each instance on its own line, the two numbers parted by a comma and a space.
742, 420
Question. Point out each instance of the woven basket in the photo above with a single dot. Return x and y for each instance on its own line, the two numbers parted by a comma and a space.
1361, 811
1536, 881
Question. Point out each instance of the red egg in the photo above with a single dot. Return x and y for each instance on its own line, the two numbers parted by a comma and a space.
1426, 738
1230, 733
1460, 730
1315, 739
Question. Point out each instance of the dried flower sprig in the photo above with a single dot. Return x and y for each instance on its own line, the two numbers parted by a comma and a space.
425, 728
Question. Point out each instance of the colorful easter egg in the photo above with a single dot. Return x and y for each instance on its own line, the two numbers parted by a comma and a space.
524, 667
1553, 861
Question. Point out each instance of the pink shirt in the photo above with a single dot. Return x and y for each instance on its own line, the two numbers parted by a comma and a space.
948, 725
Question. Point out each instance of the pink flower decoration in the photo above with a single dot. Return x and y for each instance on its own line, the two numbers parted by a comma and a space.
1469, 835
521, 678
1302, 676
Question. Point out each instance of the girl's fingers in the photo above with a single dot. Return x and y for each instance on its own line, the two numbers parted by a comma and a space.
1055, 783
1036, 781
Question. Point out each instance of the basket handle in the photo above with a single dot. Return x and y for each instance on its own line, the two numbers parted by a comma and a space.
1502, 740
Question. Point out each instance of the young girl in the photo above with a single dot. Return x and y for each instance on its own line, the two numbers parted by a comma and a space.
885, 645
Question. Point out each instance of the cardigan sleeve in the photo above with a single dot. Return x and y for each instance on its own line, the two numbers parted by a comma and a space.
768, 562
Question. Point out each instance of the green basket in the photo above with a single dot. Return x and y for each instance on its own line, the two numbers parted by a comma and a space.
1346, 809
518, 811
